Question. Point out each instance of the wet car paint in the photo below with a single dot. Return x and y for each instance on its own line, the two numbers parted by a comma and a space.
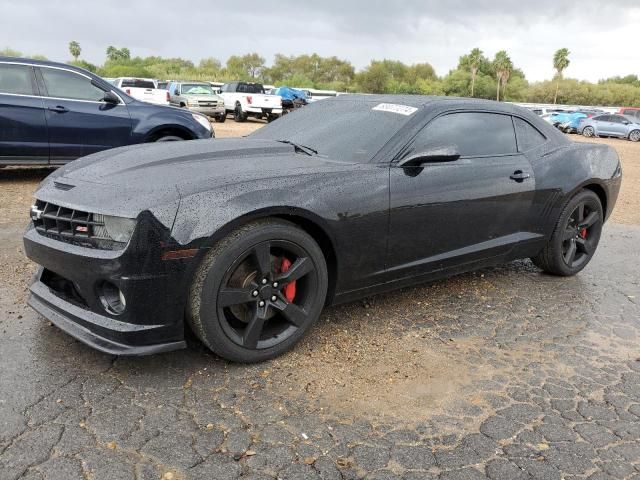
380, 226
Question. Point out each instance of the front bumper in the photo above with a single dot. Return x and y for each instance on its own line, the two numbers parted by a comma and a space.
92, 329
209, 111
154, 290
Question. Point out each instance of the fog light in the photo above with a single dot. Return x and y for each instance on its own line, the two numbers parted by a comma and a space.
112, 298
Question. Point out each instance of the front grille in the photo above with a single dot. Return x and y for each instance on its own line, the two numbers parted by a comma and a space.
71, 226
207, 104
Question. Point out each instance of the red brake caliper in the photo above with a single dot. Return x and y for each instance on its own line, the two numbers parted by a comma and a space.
583, 233
290, 289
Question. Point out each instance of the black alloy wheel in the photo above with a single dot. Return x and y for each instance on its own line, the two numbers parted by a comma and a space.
260, 302
575, 237
258, 291
581, 234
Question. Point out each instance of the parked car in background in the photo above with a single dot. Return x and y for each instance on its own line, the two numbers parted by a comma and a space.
52, 113
143, 89
247, 99
199, 97
571, 125
163, 84
631, 112
291, 97
611, 125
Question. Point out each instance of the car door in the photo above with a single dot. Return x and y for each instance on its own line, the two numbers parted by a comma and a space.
23, 127
604, 125
80, 122
619, 125
444, 214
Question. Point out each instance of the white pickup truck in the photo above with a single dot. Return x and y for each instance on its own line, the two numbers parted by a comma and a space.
247, 99
143, 89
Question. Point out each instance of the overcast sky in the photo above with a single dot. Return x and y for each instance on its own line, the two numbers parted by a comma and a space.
602, 35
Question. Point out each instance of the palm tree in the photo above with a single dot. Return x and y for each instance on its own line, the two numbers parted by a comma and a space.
502, 67
475, 58
560, 63
74, 49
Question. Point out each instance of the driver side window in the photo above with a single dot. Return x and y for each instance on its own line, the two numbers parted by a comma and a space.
66, 84
475, 134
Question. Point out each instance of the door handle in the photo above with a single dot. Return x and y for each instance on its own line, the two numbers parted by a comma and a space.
59, 109
519, 176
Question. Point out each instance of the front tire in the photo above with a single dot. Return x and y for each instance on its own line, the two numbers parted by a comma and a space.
169, 138
575, 237
258, 291
221, 118
634, 136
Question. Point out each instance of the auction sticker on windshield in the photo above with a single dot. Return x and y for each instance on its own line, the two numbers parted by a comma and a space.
395, 108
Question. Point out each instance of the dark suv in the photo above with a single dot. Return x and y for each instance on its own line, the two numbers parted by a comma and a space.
52, 113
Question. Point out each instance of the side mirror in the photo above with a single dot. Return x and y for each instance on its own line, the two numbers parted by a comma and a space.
110, 97
447, 153
626, 122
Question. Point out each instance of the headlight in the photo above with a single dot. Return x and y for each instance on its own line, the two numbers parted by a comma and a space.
118, 229
202, 120
192, 103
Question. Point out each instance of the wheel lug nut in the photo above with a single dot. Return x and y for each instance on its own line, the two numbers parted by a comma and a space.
254, 293
261, 303
264, 281
275, 284
274, 298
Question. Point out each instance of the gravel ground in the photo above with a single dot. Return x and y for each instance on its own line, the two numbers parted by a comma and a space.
504, 373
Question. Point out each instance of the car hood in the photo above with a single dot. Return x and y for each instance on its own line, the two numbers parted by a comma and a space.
133, 178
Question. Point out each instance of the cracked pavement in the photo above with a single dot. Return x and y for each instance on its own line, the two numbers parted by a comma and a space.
504, 373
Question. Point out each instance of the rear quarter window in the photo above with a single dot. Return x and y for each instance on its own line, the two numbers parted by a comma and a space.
16, 79
528, 136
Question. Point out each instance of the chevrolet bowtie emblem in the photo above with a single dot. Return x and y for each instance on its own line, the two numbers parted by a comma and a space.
36, 213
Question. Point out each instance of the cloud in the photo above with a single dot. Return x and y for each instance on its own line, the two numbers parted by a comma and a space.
433, 31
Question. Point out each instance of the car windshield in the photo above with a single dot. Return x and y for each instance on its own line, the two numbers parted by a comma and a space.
347, 130
196, 89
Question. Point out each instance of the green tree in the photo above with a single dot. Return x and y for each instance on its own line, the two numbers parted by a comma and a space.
475, 59
10, 52
74, 49
247, 66
118, 54
560, 63
502, 67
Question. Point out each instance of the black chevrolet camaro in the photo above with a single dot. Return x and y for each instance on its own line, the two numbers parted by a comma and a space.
247, 239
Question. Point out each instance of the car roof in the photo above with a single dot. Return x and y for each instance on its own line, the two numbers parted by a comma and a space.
43, 63
419, 101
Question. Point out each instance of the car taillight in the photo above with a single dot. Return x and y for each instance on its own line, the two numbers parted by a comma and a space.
249, 99
128, 91
167, 95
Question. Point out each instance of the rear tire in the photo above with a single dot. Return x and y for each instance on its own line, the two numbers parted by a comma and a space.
575, 237
247, 268
588, 132
238, 115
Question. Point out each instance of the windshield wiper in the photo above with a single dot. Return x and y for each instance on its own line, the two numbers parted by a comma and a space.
300, 148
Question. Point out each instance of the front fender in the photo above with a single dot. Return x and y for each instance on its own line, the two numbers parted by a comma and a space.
148, 119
